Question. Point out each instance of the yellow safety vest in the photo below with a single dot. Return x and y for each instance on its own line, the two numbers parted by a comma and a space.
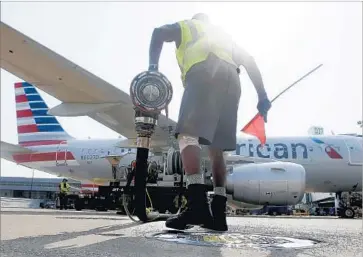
198, 40
64, 187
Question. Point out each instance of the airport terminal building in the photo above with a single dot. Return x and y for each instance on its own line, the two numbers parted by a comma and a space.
37, 188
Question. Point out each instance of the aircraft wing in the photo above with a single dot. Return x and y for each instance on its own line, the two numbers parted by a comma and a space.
81, 93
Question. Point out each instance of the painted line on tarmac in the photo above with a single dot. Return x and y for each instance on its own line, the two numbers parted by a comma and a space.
81, 241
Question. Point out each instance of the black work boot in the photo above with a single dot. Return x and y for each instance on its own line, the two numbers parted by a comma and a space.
197, 210
218, 206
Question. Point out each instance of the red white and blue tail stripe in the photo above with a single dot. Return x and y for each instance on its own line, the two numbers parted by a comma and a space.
35, 125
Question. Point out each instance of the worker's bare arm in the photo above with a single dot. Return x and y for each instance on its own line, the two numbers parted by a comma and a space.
241, 57
166, 33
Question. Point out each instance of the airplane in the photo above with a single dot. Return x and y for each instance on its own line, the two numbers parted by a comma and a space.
281, 171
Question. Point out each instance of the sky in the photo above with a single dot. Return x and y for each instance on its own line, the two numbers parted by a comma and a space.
287, 39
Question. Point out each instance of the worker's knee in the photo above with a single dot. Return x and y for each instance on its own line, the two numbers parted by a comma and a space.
186, 140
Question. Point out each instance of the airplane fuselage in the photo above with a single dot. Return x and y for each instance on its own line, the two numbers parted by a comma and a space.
332, 163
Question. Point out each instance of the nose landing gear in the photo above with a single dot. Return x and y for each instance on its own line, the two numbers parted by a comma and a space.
348, 204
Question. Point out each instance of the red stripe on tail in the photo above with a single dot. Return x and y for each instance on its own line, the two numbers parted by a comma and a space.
24, 113
28, 128
18, 85
21, 99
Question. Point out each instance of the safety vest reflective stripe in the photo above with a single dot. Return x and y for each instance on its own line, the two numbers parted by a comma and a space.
194, 34
197, 42
64, 187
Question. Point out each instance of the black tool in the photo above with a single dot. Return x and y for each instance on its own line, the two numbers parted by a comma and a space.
150, 92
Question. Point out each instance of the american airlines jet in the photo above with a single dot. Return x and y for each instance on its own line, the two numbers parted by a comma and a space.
281, 171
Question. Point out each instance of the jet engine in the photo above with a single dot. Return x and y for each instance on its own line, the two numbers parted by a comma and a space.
273, 183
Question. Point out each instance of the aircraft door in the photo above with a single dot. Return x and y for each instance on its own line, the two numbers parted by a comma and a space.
61, 154
355, 150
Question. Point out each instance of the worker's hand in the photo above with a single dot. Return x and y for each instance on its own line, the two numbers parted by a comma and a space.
263, 107
153, 67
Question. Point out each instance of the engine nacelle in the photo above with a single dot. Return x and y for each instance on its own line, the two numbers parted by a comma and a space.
274, 183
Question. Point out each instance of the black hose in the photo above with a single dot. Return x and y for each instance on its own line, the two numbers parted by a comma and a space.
181, 190
140, 172
140, 183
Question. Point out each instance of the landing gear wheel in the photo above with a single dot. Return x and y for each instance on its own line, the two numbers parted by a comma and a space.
348, 213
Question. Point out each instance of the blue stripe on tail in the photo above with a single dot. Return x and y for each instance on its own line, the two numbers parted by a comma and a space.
38, 105
30, 90
37, 113
50, 128
46, 120
32, 98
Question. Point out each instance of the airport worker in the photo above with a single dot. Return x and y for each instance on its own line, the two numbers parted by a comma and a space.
131, 174
209, 61
64, 189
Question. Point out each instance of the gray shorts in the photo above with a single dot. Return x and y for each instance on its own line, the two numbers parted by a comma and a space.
209, 105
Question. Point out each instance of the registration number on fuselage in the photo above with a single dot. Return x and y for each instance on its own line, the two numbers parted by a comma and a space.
87, 157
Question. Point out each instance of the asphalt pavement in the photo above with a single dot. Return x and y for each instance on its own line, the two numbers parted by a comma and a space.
30, 233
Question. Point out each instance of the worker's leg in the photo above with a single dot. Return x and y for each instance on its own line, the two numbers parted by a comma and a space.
218, 170
224, 140
61, 201
225, 137
65, 201
198, 119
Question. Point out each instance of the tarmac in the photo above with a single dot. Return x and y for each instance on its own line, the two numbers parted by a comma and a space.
38, 232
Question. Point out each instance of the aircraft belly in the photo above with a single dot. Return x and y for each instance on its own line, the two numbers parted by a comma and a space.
96, 169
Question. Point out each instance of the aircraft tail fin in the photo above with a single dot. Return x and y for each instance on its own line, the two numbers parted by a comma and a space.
35, 125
